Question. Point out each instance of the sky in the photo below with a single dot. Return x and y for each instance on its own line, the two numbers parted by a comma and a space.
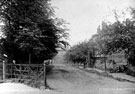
85, 16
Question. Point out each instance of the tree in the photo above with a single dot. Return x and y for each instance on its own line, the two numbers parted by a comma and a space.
79, 53
116, 37
31, 30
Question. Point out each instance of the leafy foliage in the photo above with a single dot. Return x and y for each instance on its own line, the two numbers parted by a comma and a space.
79, 53
116, 37
31, 28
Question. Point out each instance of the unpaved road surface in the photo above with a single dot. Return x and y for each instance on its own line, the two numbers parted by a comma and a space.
65, 79
70, 80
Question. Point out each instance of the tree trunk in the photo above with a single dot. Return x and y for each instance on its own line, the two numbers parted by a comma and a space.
105, 64
30, 58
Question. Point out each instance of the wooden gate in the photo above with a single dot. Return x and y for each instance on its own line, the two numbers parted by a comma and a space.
102, 59
91, 60
24, 72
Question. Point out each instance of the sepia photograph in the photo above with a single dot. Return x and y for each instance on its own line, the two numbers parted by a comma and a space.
67, 46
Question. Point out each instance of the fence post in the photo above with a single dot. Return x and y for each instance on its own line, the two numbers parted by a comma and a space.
45, 83
4, 72
89, 59
105, 64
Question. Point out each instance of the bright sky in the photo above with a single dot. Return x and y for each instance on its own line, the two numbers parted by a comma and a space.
84, 16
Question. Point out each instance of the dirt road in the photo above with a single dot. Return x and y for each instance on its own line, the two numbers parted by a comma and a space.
70, 80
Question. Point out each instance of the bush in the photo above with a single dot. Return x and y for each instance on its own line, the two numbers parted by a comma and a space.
131, 70
118, 69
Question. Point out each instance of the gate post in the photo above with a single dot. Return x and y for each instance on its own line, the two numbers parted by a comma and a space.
4, 72
45, 83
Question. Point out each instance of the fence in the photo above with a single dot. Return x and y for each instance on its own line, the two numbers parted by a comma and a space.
106, 63
23, 72
90, 62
